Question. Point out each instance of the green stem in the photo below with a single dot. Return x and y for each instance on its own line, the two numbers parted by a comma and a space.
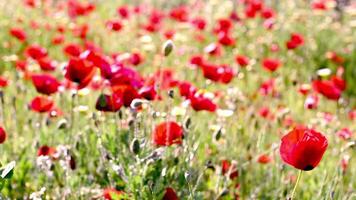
296, 184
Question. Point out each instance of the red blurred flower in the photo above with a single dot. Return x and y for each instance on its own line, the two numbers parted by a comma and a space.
295, 41
3, 82
46, 64
242, 60
303, 148
36, 52
344, 133
114, 25
18, 33
79, 71
111, 194
72, 50
46, 151
180, 13
170, 194
199, 103
271, 64
327, 88
45, 83
2, 135
167, 133
109, 103
227, 167
41, 104
123, 11
264, 159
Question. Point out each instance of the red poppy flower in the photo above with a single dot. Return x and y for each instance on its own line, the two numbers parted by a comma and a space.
344, 133
199, 23
111, 193
114, 25
339, 82
79, 71
303, 148
327, 88
180, 13
109, 103
199, 103
170, 194
295, 41
334, 57
123, 11
46, 64
271, 64
148, 93
18, 33
36, 52
167, 133
127, 92
45, 83
136, 59
41, 104
58, 39
242, 60
46, 151
3, 82
2, 135
187, 90
225, 168
267, 13
72, 50
264, 159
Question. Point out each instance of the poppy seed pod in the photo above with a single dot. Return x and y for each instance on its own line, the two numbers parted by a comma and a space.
168, 47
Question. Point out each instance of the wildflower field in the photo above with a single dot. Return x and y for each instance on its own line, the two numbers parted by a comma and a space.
178, 99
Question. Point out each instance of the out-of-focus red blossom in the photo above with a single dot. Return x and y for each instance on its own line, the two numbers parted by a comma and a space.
114, 25
214, 49
186, 89
334, 57
304, 89
344, 133
81, 31
234, 16
311, 102
79, 71
223, 73
303, 148
197, 60
165, 77
345, 163
45, 83
199, 23
123, 11
199, 103
46, 151
170, 194
109, 103
21, 65
264, 159
31, 3
76, 8
267, 13
136, 58
271, 64
242, 60
2, 135
127, 92
295, 41
227, 167
169, 34
267, 87
327, 88
167, 133
36, 52
352, 114
339, 82
223, 25
111, 194
264, 112
319, 5
72, 50
180, 14
58, 39
3, 82
226, 39
148, 93
18, 33
46, 64
41, 104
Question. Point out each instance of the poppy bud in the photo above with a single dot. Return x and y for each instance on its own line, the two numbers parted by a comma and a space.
135, 146
168, 48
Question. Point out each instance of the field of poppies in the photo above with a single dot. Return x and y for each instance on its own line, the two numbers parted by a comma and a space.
183, 99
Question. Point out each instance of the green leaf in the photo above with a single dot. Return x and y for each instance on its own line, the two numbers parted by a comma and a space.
7, 171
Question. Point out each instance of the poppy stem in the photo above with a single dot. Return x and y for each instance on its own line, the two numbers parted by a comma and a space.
296, 184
